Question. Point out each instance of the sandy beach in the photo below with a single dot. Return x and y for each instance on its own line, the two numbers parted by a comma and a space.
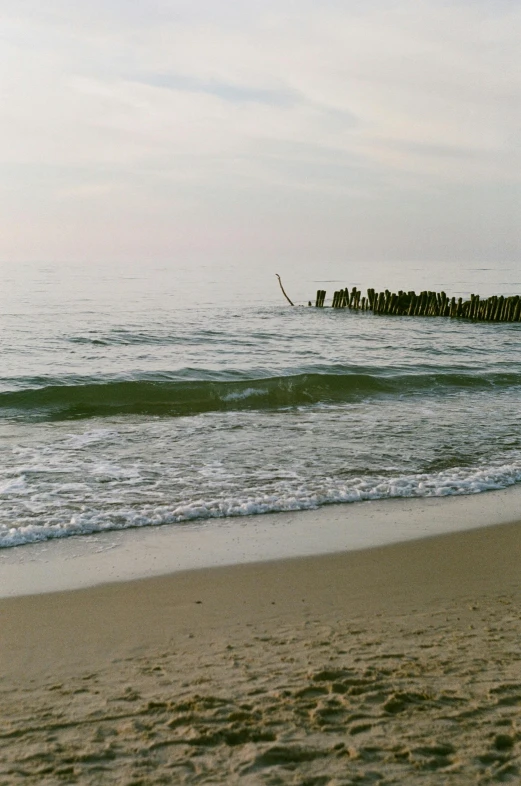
393, 665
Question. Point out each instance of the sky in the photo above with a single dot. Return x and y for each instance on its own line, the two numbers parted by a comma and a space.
248, 129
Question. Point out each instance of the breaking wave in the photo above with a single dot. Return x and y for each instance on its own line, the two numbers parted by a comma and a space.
82, 398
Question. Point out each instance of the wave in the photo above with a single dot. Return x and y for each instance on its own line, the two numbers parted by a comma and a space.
178, 397
128, 338
125, 338
456, 481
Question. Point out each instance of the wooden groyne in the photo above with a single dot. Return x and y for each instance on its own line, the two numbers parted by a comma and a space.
426, 304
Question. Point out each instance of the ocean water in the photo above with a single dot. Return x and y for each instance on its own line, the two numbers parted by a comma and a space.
149, 394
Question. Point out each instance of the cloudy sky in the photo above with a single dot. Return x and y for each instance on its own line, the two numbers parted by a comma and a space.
377, 129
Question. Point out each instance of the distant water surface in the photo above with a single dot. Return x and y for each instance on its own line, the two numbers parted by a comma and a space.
141, 395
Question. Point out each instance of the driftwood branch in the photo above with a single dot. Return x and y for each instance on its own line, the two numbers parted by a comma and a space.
283, 292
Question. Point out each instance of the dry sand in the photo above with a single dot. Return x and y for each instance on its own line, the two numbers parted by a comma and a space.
397, 665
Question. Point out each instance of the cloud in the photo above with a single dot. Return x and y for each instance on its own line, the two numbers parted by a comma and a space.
259, 110
227, 91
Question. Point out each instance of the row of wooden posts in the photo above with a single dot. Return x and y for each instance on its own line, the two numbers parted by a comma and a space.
427, 304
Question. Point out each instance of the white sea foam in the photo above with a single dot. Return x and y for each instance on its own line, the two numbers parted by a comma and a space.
15, 486
242, 394
91, 437
456, 481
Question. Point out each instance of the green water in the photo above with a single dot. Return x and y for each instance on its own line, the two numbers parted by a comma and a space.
150, 395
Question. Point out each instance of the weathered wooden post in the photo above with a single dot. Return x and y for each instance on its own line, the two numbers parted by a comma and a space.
321, 296
428, 303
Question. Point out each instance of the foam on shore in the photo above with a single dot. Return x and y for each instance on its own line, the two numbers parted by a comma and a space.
135, 554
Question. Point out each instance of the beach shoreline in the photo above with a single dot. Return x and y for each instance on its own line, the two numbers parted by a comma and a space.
398, 663
131, 554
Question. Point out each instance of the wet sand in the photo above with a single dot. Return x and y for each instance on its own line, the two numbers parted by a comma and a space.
395, 665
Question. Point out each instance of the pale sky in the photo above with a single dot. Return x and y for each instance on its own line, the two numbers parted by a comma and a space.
373, 129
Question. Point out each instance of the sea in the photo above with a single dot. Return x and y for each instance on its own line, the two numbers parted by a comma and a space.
163, 394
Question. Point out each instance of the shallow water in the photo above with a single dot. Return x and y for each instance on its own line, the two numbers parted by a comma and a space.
163, 394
